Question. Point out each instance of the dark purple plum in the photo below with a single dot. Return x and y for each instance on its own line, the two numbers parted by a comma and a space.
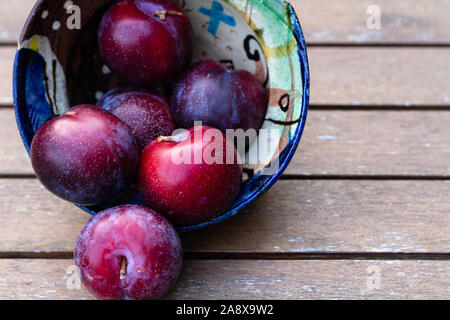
87, 156
220, 98
128, 252
146, 42
147, 114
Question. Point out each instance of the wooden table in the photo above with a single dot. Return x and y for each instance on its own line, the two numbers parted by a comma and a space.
363, 211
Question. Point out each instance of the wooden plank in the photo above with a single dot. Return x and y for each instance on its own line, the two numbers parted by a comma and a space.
13, 14
323, 21
33, 220
313, 280
13, 156
350, 76
246, 279
380, 76
6, 67
337, 216
412, 143
315, 215
409, 143
402, 21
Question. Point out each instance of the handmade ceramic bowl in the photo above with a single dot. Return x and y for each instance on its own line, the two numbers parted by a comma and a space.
58, 65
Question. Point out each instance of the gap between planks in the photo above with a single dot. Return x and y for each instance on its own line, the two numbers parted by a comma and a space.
305, 177
242, 255
330, 44
376, 45
342, 107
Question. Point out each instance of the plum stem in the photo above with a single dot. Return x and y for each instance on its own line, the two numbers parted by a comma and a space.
123, 269
164, 13
166, 139
229, 66
179, 137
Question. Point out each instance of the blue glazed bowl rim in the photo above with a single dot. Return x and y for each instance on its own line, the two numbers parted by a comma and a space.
287, 153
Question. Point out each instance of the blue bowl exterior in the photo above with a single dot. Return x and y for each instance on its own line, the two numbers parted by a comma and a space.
251, 191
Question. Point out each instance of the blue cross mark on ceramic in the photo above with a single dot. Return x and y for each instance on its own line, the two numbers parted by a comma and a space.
216, 17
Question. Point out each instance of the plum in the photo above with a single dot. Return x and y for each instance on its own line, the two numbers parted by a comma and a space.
220, 98
146, 42
191, 177
128, 252
147, 114
87, 156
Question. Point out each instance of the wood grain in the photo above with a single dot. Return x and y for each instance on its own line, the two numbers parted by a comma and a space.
307, 216
337, 216
34, 220
294, 216
246, 279
409, 143
402, 21
350, 76
323, 21
380, 76
412, 143
13, 156
13, 14
6, 67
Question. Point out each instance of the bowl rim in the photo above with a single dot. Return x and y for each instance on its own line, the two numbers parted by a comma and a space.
287, 153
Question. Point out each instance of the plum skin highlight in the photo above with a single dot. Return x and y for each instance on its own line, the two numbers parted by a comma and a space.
146, 42
147, 114
87, 156
128, 252
189, 193
220, 98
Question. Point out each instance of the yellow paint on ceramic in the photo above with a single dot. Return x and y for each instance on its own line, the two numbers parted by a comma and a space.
280, 51
34, 44
277, 52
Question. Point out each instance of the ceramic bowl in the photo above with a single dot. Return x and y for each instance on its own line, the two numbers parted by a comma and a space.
58, 65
